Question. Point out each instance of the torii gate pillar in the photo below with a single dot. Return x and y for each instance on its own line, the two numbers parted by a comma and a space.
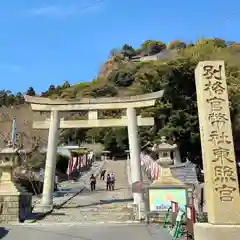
50, 166
134, 147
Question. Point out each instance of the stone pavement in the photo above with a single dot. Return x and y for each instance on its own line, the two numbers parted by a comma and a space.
67, 189
84, 232
100, 205
99, 215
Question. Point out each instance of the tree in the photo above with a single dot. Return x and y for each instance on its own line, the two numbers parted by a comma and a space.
31, 91
95, 135
116, 140
151, 47
217, 42
121, 139
128, 51
3, 96
122, 77
51, 89
177, 44
65, 85
19, 99
107, 90
11, 99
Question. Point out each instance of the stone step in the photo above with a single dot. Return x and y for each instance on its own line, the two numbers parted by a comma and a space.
105, 214
109, 213
104, 218
98, 211
90, 218
95, 208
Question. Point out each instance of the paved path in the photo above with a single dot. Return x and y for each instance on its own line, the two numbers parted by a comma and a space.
84, 232
100, 205
88, 215
66, 190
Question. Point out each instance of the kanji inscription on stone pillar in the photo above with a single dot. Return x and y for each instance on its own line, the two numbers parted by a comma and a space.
220, 171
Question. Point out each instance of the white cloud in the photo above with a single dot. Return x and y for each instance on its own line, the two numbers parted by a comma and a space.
9, 67
63, 11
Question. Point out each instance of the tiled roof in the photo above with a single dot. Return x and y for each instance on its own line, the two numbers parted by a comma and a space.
185, 172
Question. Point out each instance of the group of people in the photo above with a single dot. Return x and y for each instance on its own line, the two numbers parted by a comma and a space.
110, 181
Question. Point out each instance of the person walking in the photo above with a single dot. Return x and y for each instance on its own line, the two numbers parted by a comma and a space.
93, 182
102, 176
108, 182
112, 181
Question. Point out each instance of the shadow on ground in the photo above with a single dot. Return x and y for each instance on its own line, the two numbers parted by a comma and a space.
101, 202
3, 232
104, 190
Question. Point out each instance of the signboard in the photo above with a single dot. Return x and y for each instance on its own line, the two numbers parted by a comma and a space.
138, 187
159, 199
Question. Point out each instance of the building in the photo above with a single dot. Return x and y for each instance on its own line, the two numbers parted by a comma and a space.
164, 55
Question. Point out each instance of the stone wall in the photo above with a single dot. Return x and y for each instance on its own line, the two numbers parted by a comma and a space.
15, 208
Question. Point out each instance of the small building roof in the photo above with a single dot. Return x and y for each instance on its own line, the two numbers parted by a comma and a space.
185, 172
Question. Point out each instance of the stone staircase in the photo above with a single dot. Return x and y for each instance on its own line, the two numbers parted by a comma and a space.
99, 213
118, 213
100, 206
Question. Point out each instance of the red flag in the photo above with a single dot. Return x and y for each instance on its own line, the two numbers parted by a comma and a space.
74, 165
69, 169
79, 163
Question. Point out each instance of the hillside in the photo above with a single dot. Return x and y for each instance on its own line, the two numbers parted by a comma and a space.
130, 71
25, 116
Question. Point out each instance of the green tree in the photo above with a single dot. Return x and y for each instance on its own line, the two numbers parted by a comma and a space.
122, 77
128, 51
19, 99
107, 90
31, 91
65, 85
217, 42
177, 44
151, 47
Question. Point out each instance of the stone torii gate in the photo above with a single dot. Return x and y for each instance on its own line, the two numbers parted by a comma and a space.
132, 121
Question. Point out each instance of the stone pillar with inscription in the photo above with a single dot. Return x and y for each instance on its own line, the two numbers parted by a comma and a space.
220, 172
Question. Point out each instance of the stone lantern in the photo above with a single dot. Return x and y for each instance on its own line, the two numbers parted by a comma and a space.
164, 151
165, 161
9, 160
15, 203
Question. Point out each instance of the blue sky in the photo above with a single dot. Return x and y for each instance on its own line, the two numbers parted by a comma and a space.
46, 42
